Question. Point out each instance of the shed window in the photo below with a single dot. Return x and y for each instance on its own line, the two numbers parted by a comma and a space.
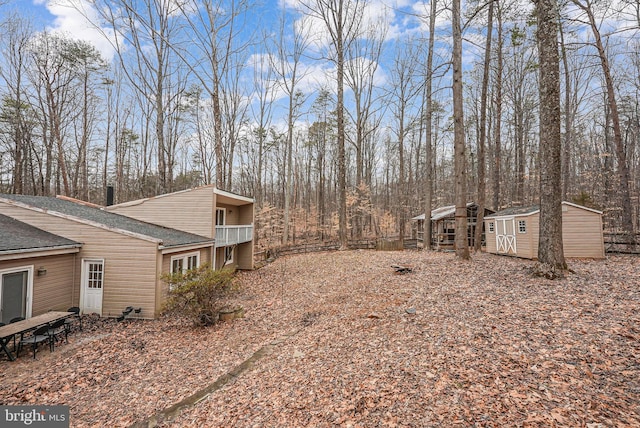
491, 227
522, 226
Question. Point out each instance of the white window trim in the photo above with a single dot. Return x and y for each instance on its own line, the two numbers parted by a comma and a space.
29, 269
224, 216
230, 261
184, 258
491, 227
522, 224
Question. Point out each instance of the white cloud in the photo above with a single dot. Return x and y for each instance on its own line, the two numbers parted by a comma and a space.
76, 18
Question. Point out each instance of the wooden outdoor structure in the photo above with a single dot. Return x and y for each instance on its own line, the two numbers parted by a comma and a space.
515, 232
443, 226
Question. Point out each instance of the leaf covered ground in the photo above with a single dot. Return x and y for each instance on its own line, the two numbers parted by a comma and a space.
340, 339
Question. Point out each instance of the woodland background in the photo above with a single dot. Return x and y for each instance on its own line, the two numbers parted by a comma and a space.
318, 102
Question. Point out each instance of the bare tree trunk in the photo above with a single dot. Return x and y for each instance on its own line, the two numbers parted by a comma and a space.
483, 134
460, 156
497, 169
428, 195
550, 250
568, 122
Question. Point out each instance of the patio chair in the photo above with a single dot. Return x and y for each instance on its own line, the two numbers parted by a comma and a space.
56, 330
41, 334
11, 321
69, 321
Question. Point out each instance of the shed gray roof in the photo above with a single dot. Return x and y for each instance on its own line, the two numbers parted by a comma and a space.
516, 211
168, 237
16, 236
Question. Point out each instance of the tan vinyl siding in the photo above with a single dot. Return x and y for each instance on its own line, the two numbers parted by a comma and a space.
129, 263
232, 214
189, 211
165, 263
523, 240
54, 290
490, 237
535, 235
582, 233
244, 256
246, 214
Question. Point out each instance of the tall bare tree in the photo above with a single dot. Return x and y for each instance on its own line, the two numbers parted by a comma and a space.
483, 131
621, 154
286, 62
429, 161
460, 153
342, 20
551, 259
16, 36
214, 27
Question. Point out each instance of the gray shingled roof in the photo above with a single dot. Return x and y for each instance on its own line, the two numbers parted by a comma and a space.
515, 211
169, 237
16, 236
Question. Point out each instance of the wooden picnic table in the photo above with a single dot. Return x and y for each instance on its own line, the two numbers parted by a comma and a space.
8, 331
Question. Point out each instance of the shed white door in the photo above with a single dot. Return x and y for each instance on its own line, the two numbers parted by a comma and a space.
92, 286
506, 235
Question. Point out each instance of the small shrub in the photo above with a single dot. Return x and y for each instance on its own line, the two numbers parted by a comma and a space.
199, 293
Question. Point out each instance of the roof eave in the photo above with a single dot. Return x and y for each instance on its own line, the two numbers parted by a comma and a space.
39, 252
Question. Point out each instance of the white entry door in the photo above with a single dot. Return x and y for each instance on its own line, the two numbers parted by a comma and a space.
506, 236
92, 286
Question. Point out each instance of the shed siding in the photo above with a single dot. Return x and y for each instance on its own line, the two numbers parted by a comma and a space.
534, 220
582, 233
190, 211
523, 240
130, 263
490, 237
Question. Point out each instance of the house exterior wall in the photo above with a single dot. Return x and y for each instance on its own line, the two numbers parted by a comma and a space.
55, 290
200, 204
164, 262
244, 256
130, 264
190, 211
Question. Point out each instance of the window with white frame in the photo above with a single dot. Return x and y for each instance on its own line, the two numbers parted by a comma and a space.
522, 226
228, 255
185, 262
220, 216
491, 227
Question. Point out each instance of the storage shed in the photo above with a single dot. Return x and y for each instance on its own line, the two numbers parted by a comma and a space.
515, 231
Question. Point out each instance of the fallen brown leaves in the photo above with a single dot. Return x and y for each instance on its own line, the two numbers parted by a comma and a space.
484, 344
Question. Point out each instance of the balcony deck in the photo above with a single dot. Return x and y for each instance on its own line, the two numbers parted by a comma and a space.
233, 235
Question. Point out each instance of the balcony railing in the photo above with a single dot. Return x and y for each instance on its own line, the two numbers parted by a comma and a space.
231, 235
